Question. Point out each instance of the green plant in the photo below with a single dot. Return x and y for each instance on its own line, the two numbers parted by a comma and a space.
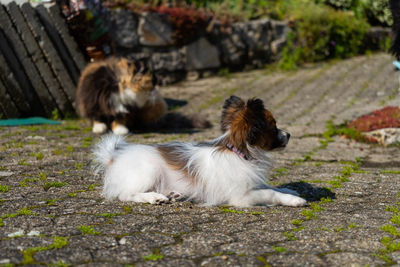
4, 188
49, 185
321, 33
153, 257
87, 230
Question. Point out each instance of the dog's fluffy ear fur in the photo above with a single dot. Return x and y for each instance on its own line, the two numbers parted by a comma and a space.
245, 121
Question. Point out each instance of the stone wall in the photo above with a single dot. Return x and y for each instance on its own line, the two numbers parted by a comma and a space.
150, 37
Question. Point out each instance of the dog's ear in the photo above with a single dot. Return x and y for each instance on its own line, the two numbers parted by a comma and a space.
231, 107
255, 116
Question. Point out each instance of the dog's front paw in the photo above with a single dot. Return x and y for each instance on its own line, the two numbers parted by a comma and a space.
295, 201
174, 196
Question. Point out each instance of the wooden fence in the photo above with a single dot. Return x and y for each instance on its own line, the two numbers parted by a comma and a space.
40, 62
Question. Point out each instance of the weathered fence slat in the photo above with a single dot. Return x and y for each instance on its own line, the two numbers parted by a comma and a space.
19, 96
7, 105
50, 52
69, 42
58, 43
30, 70
38, 58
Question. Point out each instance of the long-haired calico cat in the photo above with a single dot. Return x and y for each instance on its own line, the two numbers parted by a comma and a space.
116, 93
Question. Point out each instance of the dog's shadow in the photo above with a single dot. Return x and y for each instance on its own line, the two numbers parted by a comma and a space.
309, 192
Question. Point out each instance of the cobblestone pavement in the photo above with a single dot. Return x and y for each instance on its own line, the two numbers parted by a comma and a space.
52, 213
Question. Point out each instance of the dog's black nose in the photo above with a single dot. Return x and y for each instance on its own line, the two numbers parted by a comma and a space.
288, 135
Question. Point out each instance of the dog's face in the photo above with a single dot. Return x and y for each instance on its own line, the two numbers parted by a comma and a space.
250, 123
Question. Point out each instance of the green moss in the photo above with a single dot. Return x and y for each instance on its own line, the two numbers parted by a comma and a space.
72, 194
58, 242
396, 220
308, 214
24, 211
390, 229
289, 235
42, 176
326, 200
296, 222
279, 249
4, 188
51, 201
127, 209
79, 165
91, 187
315, 207
70, 148
390, 172
22, 162
153, 257
56, 184
352, 225
226, 210
39, 155
110, 215
87, 230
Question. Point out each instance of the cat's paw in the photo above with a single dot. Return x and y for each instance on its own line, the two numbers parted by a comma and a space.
120, 130
99, 128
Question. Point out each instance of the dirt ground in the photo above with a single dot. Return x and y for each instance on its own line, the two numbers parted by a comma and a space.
52, 211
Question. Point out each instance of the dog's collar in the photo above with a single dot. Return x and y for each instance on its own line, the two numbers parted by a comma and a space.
238, 152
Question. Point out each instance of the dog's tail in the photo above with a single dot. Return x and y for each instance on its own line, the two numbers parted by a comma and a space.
105, 151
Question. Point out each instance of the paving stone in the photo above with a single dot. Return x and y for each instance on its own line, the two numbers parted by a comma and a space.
362, 181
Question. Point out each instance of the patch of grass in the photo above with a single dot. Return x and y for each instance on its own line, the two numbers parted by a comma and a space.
70, 148
56, 184
87, 230
4, 188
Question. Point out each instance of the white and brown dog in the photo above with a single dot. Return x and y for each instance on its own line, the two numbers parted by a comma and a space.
228, 170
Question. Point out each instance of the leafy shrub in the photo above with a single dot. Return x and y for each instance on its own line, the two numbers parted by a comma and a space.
378, 12
321, 33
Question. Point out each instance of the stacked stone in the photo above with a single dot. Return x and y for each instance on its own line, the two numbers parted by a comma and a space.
149, 37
